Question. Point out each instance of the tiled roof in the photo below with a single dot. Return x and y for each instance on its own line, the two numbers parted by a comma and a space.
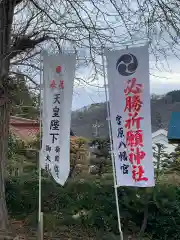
24, 133
174, 130
17, 120
25, 129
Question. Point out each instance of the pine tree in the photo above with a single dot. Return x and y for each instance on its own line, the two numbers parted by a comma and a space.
175, 161
78, 156
101, 152
25, 103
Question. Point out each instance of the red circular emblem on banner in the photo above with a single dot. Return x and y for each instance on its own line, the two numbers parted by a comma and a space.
58, 69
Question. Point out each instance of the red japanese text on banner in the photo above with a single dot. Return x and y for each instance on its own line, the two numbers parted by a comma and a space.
130, 115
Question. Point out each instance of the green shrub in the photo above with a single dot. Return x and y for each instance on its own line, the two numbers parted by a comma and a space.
94, 204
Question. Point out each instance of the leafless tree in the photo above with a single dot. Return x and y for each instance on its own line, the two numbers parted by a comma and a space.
157, 21
28, 26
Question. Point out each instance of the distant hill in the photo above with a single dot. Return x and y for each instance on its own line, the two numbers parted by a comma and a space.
161, 108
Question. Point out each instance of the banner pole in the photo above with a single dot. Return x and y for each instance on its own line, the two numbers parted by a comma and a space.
40, 136
111, 145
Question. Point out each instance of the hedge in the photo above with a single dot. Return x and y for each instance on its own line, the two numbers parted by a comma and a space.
98, 202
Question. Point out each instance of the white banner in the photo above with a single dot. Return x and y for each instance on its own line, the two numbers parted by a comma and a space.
58, 80
130, 113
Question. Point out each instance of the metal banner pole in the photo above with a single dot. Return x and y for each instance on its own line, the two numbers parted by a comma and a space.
40, 215
112, 153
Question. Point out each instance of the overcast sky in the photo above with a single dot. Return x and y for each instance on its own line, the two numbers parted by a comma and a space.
161, 82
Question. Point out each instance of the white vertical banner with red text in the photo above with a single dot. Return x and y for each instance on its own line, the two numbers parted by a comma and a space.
130, 115
58, 81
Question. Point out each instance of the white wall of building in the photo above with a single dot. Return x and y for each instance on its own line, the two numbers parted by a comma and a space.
160, 136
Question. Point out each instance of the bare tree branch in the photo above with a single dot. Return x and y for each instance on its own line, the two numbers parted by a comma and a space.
25, 43
26, 76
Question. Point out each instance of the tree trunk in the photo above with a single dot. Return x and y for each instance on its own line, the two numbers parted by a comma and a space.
145, 218
159, 146
4, 129
6, 19
73, 166
100, 170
